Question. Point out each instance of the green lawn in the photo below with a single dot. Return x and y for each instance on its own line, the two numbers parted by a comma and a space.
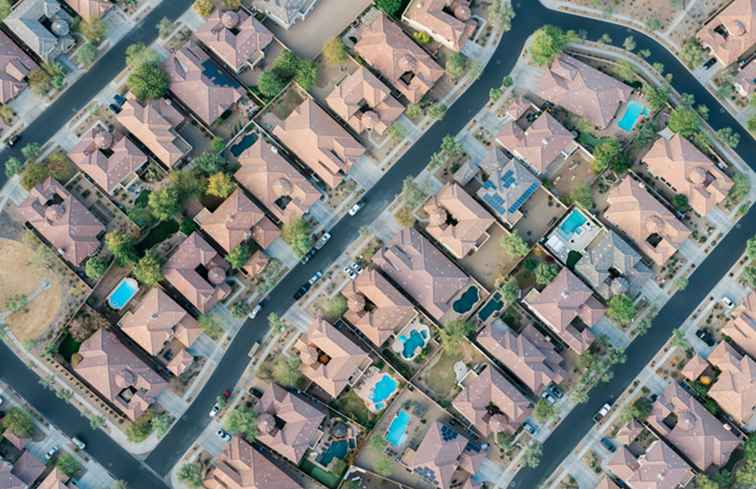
350, 404
440, 377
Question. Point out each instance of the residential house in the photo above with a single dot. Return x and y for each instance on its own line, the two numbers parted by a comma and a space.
422, 271
198, 273
745, 80
15, 66
7, 479
154, 123
157, 321
443, 457
376, 307
364, 102
329, 358
43, 26
659, 467
90, 9
56, 480
685, 423
686, 171
694, 367
320, 142
448, 22
28, 468
117, 374
583, 90
457, 221
491, 403
612, 266
235, 37
529, 355
199, 84
242, 466
63, 221
235, 221
541, 145
732, 32
735, 388
651, 226
742, 327
108, 157
387, 49
507, 185
285, 12
567, 306
288, 423
607, 482
275, 182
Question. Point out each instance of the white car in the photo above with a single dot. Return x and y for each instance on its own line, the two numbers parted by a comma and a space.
51, 453
357, 268
223, 435
315, 277
255, 311
78, 443
350, 273
215, 410
356, 208
727, 302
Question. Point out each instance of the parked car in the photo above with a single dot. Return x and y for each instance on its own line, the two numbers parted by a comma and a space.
315, 277
555, 391
214, 410
223, 435
78, 443
302, 291
308, 255
11, 141
51, 452
704, 335
119, 99
255, 311
356, 208
357, 268
114, 108
349, 272
530, 427
602, 412
727, 302
322, 240
608, 444
546, 396
709, 63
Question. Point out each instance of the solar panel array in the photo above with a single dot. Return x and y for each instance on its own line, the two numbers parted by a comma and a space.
448, 434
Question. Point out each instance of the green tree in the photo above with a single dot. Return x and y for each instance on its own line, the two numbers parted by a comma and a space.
422, 37
5, 9
548, 43
191, 474
609, 154
139, 54
286, 371
211, 326
545, 273
297, 234
454, 333
680, 201
745, 475
31, 151
68, 464
412, 195
210, 162
510, 291
286, 64
93, 30
333, 307
654, 24
728, 137
392, 7
204, 7
277, 325
629, 43
12, 166
678, 339
147, 269
455, 65
494, 94
270, 84
86, 54
751, 249
692, 53
684, 121
96, 267
165, 203
383, 466
242, 420
396, 133
40, 82
749, 276
532, 455
414, 111
165, 27
644, 53
514, 245
148, 81
121, 246
752, 124
437, 110
19, 421
307, 74
220, 185
543, 411
239, 256
334, 52
141, 428
622, 309
583, 195
161, 423
507, 81
240, 309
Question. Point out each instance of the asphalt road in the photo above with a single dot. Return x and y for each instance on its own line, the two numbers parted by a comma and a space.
530, 16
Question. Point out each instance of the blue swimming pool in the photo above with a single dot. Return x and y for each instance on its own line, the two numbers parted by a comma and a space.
397, 430
635, 110
412, 344
491, 307
383, 390
573, 222
245, 143
466, 301
337, 449
123, 293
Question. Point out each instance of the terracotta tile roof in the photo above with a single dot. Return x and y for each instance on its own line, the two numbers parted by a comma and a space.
732, 32
742, 327
235, 37
488, 388
154, 123
265, 232
28, 468
156, 320
437, 457
115, 372
180, 362
694, 367
447, 21
15, 66
14, 439
275, 182
329, 357
583, 90
519, 107
529, 356
364, 102
288, 423
689, 172
285, 12
256, 264
7, 479
735, 388
386, 48
90, 9
241, 466
422, 271
607, 483
607, 256
55, 480
658, 468
376, 307
561, 302
699, 436
233, 222
745, 80
457, 220
640, 216
507, 185
198, 273
320, 142
540, 145
63, 221
106, 157
629, 432
199, 83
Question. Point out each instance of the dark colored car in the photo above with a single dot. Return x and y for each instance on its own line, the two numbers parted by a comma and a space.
11, 141
608, 444
706, 336
302, 291
555, 391
308, 256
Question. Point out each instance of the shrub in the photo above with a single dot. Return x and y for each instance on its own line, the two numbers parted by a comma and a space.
334, 307
68, 464
239, 256
220, 185
622, 309
93, 30
148, 81
334, 52
548, 43
455, 65
96, 267
392, 7
204, 7
422, 37
242, 420
514, 245
210, 326
147, 269
270, 84
19, 422
12, 166
297, 234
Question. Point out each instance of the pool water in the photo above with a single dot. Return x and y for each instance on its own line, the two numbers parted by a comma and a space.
123, 293
466, 301
635, 110
246, 142
397, 430
337, 449
573, 222
383, 390
491, 307
413, 343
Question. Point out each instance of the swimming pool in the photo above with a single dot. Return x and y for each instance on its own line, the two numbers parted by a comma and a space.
414, 343
491, 307
382, 391
337, 449
466, 301
573, 223
246, 142
635, 110
123, 293
397, 430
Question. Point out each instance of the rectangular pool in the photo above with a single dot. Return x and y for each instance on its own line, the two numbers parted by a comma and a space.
634, 112
397, 430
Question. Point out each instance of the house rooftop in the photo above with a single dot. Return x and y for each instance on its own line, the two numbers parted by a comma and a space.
7, 479
90, 9
507, 185
742, 327
732, 32
450, 22
440, 455
540, 145
235, 37
735, 388
55, 480
32, 20
28, 468
660, 467
285, 12
15, 66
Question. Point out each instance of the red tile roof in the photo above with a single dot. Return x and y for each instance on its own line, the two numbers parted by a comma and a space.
241, 466
15, 66
235, 37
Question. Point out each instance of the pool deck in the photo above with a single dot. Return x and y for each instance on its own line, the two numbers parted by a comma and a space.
561, 247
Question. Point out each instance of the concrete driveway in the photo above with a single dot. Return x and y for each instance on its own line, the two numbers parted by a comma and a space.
329, 18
